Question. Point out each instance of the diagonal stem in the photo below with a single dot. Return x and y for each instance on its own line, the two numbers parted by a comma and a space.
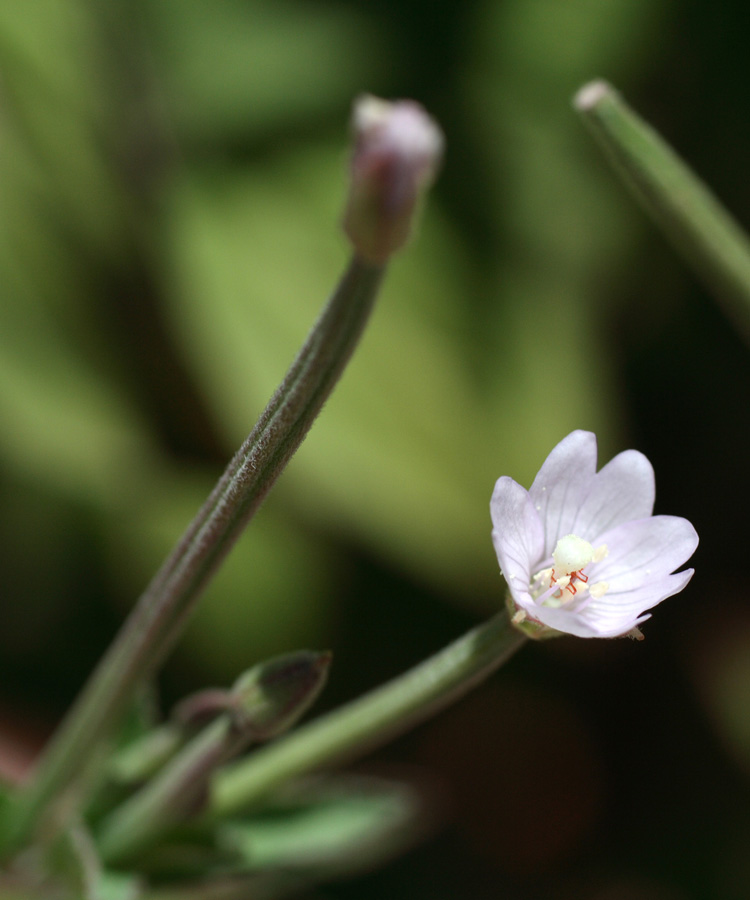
709, 238
162, 611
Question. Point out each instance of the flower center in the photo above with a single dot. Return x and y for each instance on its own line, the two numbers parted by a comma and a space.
566, 583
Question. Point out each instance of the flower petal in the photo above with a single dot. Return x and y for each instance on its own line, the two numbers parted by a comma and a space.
644, 550
613, 608
622, 608
517, 533
569, 622
622, 491
561, 484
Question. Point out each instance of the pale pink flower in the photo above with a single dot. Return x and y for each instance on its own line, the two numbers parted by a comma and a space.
580, 550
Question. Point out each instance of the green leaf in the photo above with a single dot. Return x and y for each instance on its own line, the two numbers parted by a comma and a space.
328, 827
73, 871
117, 886
137, 761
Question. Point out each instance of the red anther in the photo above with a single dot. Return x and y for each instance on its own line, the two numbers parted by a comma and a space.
573, 575
570, 587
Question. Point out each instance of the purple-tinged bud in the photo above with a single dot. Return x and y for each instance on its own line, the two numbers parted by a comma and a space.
270, 698
397, 151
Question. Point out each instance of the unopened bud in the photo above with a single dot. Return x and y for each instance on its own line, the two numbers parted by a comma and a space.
272, 696
397, 150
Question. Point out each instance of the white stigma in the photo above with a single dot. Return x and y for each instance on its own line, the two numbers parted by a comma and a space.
571, 554
566, 584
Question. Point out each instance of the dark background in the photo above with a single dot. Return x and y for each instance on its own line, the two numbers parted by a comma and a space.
172, 178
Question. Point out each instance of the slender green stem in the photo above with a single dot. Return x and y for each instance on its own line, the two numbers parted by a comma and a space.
709, 238
370, 720
162, 611
172, 795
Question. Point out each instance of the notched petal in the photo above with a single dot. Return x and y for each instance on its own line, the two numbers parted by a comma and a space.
562, 483
623, 490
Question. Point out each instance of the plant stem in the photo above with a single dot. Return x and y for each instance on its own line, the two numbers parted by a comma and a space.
704, 232
370, 720
162, 611
262, 703
171, 795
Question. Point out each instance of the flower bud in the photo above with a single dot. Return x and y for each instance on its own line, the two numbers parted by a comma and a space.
270, 698
396, 154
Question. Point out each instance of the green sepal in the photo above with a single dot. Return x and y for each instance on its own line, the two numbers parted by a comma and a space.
533, 629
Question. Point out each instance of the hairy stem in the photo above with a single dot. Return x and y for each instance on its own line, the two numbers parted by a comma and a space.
702, 230
163, 610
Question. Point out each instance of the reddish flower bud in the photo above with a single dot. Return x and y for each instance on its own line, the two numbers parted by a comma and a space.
396, 153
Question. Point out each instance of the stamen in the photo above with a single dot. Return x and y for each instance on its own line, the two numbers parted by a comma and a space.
543, 575
600, 553
571, 556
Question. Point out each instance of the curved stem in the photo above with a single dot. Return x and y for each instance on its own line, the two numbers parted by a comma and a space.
370, 720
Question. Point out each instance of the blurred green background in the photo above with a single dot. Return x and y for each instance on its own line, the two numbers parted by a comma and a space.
172, 174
